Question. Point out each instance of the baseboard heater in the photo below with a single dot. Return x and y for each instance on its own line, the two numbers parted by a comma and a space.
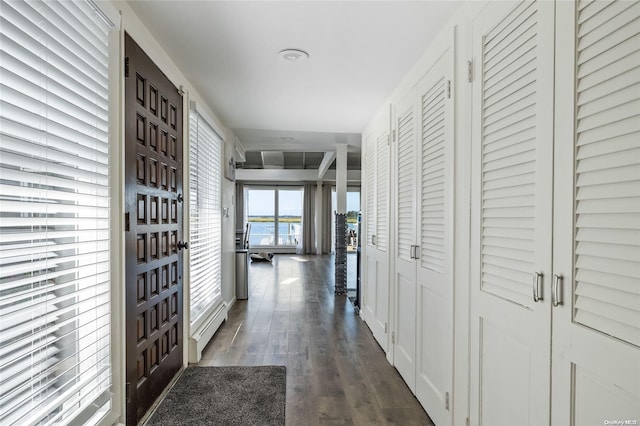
205, 332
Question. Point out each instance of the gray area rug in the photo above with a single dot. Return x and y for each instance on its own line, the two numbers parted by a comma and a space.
225, 396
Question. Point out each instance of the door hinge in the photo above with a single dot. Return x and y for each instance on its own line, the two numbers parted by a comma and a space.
470, 71
393, 136
127, 394
448, 89
126, 67
385, 328
127, 222
467, 423
393, 337
446, 401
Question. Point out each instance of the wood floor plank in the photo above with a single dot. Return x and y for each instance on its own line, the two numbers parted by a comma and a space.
336, 372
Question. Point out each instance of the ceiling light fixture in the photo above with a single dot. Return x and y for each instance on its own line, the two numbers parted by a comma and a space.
286, 139
293, 55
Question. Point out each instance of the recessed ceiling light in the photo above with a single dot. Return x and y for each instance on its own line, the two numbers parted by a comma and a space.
293, 55
286, 139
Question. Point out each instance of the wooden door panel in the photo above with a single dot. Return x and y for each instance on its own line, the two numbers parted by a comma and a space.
153, 176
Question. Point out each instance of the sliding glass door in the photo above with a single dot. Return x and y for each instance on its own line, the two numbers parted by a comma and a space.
275, 215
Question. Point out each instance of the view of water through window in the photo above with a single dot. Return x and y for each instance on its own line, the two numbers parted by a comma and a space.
269, 228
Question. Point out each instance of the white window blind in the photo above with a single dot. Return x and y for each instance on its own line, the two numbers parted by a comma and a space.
54, 213
205, 177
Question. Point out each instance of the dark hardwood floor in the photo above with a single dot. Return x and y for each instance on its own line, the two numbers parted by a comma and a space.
336, 372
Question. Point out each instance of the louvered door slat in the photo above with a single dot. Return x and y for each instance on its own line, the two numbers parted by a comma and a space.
604, 38
406, 184
629, 111
505, 32
433, 178
506, 66
607, 209
617, 236
511, 85
497, 111
512, 64
611, 11
608, 102
590, 8
382, 192
509, 157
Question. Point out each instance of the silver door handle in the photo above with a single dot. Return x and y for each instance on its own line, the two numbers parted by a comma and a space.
557, 291
411, 252
537, 286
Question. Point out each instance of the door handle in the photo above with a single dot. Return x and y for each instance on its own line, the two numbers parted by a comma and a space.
537, 286
411, 252
416, 252
373, 240
557, 291
183, 245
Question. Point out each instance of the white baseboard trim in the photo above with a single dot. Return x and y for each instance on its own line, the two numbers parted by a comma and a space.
199, 339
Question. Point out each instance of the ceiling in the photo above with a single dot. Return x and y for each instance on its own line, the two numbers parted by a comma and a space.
359, 52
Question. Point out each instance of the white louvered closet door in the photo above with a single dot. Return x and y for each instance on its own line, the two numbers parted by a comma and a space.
512, 192
405, 147
434, 298
376, 257
596, 329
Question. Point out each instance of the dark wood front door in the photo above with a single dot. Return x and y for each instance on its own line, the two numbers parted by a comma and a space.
153, 230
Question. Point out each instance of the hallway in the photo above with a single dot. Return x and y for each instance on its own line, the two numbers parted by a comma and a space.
336, 372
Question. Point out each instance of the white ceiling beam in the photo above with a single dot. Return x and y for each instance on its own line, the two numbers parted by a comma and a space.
291, 175
326, 163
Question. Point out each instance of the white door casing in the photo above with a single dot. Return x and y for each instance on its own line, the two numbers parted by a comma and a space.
512, 213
